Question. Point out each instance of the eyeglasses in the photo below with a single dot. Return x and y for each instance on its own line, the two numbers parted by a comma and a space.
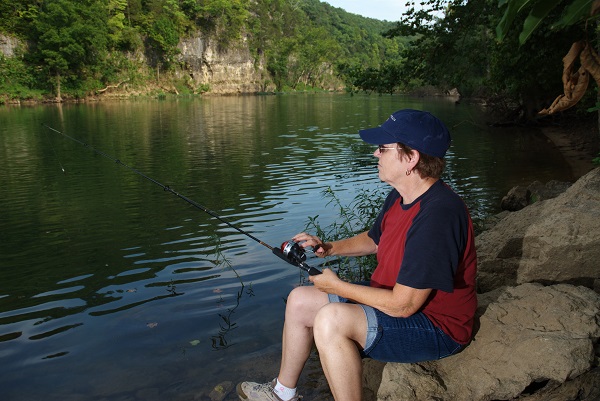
382, 148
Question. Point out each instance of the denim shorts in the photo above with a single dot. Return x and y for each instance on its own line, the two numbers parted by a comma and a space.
407, 340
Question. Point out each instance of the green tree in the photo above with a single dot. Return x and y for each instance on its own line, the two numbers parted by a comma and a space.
225, 17
71, 40
313, 54
455, 46
164, 24
16, 15
444, 38
15, 79
277, 57
163, 33
391, 77
575, 12
116, 18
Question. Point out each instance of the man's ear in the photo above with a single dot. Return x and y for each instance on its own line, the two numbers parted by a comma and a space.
413, 157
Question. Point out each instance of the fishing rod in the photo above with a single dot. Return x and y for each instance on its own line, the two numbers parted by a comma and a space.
289, 251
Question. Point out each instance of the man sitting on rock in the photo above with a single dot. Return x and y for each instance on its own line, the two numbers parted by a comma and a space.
420, 302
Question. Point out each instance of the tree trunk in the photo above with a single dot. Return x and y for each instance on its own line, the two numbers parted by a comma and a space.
598, 93
58, 96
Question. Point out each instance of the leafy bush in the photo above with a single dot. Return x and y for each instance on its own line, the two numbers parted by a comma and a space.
15, 80
354, 218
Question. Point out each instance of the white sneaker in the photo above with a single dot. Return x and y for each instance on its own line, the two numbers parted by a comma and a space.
251, 391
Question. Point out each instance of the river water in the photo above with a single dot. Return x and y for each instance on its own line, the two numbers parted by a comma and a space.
113, 289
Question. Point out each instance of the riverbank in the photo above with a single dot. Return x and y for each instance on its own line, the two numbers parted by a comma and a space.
578, 142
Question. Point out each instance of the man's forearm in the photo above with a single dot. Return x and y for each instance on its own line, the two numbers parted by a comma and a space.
359, 245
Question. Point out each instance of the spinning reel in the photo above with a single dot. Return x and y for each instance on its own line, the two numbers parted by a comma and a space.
294, 252
296, 255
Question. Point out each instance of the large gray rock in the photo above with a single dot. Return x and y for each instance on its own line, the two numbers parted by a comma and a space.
519, 196
530, 336
538, 315
552, 241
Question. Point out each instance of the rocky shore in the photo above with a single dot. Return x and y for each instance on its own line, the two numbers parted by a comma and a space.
579, 143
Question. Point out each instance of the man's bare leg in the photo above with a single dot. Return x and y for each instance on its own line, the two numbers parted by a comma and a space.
302, 306
340, 330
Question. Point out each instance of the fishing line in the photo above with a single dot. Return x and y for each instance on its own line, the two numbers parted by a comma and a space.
288, 251
55, 154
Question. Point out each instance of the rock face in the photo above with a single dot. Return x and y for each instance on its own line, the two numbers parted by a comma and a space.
230, 71
551, 241
538, 315
9, 45
205, 67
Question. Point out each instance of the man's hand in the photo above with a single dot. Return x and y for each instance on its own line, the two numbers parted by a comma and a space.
359, 245
326, 282
320, 248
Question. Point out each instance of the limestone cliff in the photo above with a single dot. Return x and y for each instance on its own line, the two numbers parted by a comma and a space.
8, 45
201, 64
230, 71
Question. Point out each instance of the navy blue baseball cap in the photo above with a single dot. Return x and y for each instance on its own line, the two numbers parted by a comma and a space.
420, 130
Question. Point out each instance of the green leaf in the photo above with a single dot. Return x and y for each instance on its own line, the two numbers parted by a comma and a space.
514, 7
535, 17
578, 10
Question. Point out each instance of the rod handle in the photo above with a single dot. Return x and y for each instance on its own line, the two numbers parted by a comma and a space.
313, 271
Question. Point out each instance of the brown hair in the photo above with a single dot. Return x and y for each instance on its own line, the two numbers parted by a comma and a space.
428, 166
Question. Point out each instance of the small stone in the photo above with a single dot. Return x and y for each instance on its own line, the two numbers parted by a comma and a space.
220, 391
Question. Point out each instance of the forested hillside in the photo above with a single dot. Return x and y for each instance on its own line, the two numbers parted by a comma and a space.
75, 47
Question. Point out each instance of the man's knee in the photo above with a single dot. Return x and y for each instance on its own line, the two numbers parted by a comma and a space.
303, 303
327, 322
339, 321
297, 297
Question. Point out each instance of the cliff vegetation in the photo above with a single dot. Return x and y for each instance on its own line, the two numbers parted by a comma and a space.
66, 49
